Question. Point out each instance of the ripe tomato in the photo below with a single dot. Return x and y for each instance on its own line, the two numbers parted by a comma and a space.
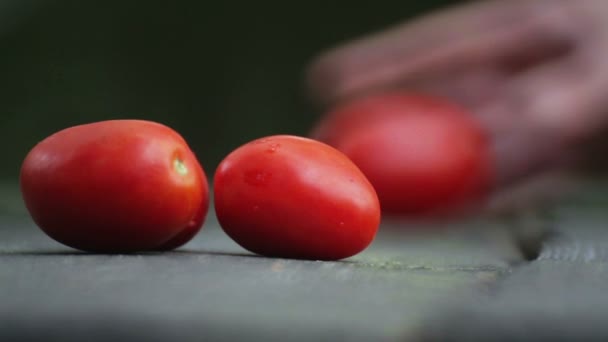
115, 186
195, 224
293, 197
423, 154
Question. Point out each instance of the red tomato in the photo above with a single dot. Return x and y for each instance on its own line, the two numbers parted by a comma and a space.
115, 186
423, 154
293, 197
195, 224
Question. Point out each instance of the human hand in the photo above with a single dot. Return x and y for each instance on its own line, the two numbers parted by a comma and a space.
535, 74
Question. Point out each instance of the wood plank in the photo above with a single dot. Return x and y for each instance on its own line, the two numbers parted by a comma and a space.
560, 296
215, 289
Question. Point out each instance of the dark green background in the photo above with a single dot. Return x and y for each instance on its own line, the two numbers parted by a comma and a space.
221, 73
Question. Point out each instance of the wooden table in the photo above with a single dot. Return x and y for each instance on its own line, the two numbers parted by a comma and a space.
469, 282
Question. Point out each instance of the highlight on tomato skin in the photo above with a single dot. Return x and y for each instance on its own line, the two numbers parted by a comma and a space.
422, 153
294, 197
196, 222
116, 186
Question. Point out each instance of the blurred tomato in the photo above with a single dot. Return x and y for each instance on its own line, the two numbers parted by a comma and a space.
422, 154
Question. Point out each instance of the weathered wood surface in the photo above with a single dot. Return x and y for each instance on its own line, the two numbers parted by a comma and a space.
462, 284
562, 295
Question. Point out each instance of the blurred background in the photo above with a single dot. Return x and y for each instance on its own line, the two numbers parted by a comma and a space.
220, 73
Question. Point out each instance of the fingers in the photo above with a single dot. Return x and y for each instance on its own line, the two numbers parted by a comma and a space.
469, 88
541, 115
478, 34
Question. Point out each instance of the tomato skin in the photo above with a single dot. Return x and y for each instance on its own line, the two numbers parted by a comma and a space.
194, 225
115, 186
293, 197
424, 155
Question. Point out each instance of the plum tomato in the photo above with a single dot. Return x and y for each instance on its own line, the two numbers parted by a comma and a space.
195, 224
423, 154
115, 186
294, 197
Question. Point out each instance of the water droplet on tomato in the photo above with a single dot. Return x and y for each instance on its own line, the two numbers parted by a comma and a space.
273, 147
257, 177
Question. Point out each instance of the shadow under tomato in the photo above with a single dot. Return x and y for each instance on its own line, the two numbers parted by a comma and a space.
182, 252
146, 253
202, 252
43, 253
251, 255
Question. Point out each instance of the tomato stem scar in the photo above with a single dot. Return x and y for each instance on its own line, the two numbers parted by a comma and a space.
180, 167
